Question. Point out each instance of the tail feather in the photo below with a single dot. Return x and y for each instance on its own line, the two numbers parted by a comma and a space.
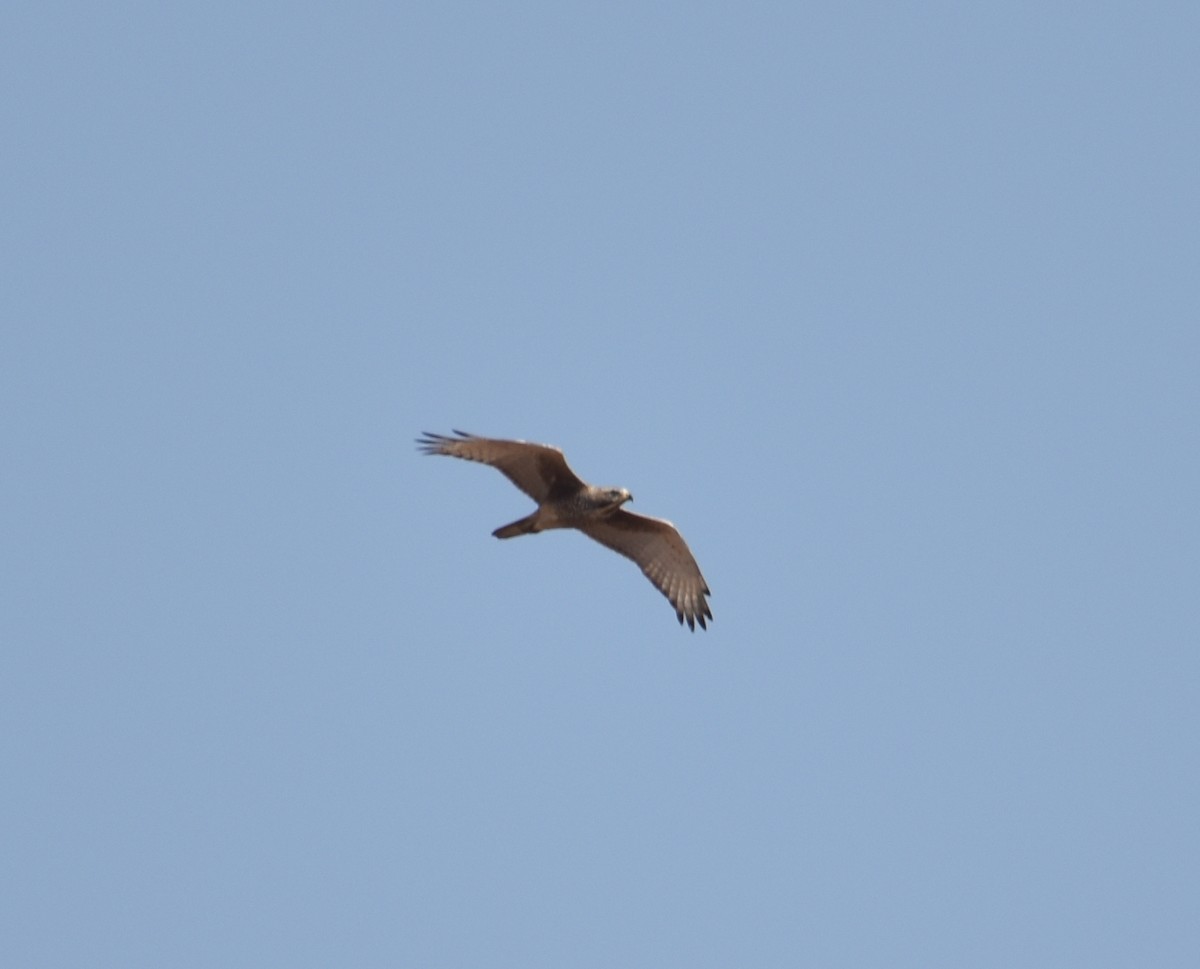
522, 526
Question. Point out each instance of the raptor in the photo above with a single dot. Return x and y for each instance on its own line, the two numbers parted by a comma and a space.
566, 501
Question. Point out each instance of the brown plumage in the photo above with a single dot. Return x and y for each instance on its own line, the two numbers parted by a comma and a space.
566, 501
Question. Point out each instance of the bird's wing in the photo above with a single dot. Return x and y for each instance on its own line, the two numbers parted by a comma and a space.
537, 469
663, 556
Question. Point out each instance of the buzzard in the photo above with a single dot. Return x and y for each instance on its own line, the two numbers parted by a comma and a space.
564, 501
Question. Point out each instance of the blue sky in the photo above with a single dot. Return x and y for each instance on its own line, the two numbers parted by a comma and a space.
892, 308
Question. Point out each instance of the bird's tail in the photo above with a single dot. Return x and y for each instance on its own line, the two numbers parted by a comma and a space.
522, 526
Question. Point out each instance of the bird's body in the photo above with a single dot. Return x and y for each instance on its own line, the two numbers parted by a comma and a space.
565, 501
588, 504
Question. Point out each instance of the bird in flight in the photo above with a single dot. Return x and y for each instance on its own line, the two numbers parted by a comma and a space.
566, 501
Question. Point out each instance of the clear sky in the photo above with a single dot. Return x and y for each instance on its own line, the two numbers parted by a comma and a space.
894, 308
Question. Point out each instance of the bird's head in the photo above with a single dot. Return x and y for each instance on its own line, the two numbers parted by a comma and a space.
618, 496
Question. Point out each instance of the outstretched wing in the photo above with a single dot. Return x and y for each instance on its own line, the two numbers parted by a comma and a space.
663, 556
537, 469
